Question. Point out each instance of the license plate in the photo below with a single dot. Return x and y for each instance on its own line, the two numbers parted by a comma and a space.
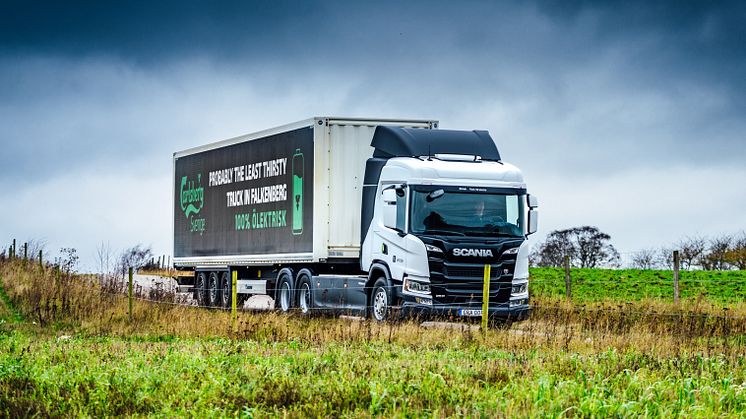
469, 313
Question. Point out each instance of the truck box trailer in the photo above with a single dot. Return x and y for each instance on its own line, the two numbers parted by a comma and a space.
374, 216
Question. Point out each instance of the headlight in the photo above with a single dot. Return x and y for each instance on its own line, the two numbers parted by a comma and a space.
416, 287
513, 251
519, 288
433, 249
516, 303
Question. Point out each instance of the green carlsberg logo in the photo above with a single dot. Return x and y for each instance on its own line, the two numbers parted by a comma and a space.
192, 199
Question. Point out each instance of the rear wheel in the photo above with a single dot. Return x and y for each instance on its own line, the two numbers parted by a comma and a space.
227, 294
380, 301
213, 294
305, 298
200, 289
284, 300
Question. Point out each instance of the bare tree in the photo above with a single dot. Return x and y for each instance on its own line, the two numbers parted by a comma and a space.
135, 257
586, 246
665, 257
554, 249
105, 258
68, 260
34, 247
691, 250
736, 255
715, 258
644, 259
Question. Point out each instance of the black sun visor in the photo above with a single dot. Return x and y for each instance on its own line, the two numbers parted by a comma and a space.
391, 141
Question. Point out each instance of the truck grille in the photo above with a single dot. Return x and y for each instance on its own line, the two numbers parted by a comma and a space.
462, 284
465, 272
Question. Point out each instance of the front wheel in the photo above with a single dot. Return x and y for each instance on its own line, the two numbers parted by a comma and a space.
380, 301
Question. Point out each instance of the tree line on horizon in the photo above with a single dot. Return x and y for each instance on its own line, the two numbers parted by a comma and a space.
589, 247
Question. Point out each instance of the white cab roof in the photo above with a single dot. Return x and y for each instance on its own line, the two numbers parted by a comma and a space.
455, 173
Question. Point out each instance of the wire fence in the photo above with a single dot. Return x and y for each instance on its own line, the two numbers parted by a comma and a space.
476, 304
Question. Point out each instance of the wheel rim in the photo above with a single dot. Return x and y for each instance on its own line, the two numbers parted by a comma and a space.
305, 298
201, 290
285, 296
227, 293
380, 304
213, 290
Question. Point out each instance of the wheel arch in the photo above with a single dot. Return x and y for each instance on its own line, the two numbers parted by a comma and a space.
304, 271
378, 269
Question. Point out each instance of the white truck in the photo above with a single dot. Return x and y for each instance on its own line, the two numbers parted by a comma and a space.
379, 217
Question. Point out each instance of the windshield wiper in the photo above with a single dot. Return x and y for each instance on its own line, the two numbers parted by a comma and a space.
431, 231
490, 233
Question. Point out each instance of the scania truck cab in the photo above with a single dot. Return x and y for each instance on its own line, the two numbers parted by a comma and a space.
446, 205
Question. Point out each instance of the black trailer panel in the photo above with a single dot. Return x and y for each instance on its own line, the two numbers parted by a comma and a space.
250, 198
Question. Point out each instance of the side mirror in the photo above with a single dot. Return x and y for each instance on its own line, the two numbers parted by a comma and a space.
389, 196
533, 221
533, 201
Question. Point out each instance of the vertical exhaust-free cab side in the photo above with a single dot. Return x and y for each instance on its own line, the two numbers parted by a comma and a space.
372, 216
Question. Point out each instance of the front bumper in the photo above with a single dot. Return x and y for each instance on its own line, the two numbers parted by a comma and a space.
503, 311
517, 313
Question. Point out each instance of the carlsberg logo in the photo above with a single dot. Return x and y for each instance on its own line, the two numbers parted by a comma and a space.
472, 252
192, 198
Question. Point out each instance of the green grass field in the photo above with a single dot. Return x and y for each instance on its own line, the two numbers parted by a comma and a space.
634, 284
68, 349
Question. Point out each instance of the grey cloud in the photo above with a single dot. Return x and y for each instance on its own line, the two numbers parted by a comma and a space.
583, 90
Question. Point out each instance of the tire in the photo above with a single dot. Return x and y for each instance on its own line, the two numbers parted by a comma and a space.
284, 300
227, 293
305, 295
200, 289
380, 301
213, 292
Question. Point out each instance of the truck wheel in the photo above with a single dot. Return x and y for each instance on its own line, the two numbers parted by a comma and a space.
305, 298
200, 289
227, 294
284, 300
213, 294
380, 301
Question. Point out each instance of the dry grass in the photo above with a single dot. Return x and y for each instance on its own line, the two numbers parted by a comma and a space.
97, 307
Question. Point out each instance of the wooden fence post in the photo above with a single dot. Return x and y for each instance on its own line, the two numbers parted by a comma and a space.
568, 281
129, 293
486, 297
13, 253
676, 276
25, 252
41, 263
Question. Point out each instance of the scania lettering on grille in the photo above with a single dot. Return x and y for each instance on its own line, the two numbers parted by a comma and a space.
472, 252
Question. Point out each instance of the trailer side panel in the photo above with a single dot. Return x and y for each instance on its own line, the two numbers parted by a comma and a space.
250, 198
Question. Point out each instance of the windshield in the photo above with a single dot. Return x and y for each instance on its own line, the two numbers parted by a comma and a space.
440, 211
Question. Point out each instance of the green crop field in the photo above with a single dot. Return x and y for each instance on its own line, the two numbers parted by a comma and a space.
634, 284
67, 348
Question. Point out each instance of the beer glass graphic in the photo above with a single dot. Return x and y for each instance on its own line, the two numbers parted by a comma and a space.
297, 198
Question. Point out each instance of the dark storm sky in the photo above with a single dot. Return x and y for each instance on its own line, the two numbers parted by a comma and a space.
625, 115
